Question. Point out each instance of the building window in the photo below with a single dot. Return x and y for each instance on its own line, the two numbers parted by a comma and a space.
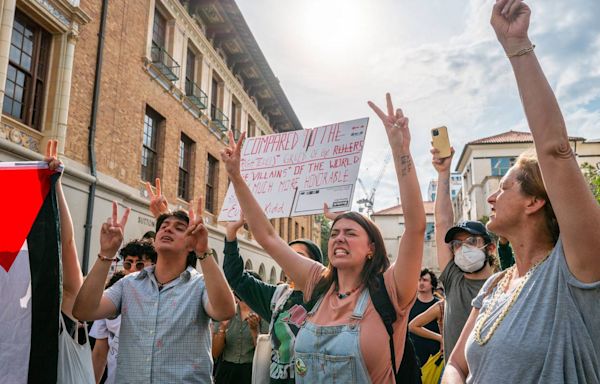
186, 146
235, 118
26, 72
296, 231
211, 184
302, 232
152, 121
429, 231
251, 130
289, 230
214, 98
501, 165
159, 29
282, 228
190, 72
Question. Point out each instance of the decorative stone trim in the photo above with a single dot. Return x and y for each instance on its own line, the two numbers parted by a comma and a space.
54, 12
20, 136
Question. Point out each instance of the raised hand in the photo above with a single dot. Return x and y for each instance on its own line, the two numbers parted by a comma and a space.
232, 154
441, 164
111, 233
396, 125
328, 214
196, 234
52, 155
510, 20
233, 226
158, 202
253, 321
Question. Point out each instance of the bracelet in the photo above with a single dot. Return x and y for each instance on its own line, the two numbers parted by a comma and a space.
204, 255
521, 52
104, 258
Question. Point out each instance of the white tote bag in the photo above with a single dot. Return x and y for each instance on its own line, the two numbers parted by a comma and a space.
74, 360
261, 362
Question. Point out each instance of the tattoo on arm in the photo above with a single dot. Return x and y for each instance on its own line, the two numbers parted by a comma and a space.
405, 165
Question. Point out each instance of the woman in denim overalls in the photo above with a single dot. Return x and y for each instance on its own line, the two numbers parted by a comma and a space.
328, 347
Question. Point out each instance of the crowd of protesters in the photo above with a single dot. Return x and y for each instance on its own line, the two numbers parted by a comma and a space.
519, 301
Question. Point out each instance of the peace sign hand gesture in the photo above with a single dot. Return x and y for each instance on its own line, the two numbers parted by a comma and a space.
396, 125
232, 154
196, 235
52, 155
111, 233
158, 202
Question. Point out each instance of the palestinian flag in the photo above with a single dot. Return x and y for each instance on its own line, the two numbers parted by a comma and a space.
30, 277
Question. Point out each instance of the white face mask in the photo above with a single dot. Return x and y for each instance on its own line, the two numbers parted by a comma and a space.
469, 259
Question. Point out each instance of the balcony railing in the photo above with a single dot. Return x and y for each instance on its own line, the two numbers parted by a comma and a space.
218, 118
164, 62
195, 94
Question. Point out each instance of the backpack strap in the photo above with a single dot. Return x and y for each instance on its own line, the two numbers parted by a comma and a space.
409, 371
280, 296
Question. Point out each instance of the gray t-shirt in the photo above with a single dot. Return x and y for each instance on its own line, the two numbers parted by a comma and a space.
550, 335
460, 291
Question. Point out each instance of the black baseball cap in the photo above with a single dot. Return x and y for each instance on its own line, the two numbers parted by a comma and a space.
470, 226
313, 249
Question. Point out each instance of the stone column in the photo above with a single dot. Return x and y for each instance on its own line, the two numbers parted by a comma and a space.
64, 88
7, 17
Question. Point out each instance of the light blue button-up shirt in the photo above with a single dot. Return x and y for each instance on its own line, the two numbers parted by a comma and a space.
165, 335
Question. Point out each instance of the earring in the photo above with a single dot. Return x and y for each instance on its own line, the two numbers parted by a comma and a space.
369, 256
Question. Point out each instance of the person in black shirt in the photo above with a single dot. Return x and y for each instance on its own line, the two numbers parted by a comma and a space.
425, 299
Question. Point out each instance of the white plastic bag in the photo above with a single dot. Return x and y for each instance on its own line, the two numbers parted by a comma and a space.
74, 360
261, 363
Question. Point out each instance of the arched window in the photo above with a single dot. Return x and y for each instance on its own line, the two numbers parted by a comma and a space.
273, 278
261, 272
248, 265
282, 276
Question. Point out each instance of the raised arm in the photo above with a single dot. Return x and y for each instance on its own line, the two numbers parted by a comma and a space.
576, 210
221, 305
443, 214
410, 252
255, 293
90, 304
72, 277
295, 266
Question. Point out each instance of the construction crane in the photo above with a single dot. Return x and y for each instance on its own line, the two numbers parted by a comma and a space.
368, 201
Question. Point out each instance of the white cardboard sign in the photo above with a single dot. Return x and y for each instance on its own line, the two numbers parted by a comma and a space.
294, 173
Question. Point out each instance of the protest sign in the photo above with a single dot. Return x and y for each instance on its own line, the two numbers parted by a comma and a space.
294, 173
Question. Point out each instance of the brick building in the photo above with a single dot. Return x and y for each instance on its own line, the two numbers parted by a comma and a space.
153, 95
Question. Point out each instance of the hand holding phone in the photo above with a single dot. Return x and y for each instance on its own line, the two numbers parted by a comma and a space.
441, 142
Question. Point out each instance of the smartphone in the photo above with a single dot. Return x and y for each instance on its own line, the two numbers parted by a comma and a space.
440, 141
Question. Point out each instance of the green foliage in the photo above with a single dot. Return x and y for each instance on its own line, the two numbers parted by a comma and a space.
592, 175
325, 232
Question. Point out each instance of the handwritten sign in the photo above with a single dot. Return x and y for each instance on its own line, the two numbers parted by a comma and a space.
294, 173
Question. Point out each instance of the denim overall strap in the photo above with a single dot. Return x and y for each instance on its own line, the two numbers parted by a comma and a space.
332, 353
361, 305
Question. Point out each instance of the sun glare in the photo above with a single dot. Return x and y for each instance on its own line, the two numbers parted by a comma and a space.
333, 25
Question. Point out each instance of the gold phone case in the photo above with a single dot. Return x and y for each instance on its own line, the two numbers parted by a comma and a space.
440, 141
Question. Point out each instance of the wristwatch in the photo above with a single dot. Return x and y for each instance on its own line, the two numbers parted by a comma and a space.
204, 255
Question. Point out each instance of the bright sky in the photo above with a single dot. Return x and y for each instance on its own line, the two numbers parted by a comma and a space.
438, 58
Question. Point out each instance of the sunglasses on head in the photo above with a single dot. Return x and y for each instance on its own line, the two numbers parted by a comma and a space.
139, 265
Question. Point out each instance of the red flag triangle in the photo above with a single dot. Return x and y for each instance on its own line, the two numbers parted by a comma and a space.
22, 193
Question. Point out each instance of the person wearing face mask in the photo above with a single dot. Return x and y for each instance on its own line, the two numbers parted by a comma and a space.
465, 253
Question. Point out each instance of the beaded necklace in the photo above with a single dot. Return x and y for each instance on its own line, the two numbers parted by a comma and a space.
343, 295
502, 287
